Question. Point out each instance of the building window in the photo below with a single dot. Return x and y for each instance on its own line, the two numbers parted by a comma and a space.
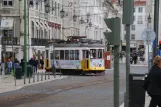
7, 3
132, 36
140, 20
134, 10
55, 8
32, 29
140, 9
133, 27
133, 18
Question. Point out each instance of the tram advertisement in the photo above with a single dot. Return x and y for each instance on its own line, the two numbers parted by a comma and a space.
68, 64
96, 63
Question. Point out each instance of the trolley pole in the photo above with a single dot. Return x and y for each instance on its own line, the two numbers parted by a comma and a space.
25, 41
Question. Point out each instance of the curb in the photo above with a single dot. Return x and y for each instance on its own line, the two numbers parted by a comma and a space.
19, 87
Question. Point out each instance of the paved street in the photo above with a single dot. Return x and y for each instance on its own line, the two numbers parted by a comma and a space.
74, 91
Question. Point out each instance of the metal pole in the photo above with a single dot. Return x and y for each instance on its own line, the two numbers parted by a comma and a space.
4, 55
156, 22
116, 76
148, 59
127, 62
25, 38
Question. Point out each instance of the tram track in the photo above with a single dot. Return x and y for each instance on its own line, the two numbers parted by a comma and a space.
9, 101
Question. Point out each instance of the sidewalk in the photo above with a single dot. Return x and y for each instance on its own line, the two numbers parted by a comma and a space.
147, 101
7, 82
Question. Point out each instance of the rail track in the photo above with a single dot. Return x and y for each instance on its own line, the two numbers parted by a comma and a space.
10, 101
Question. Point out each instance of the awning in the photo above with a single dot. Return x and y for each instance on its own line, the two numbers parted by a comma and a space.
6, 24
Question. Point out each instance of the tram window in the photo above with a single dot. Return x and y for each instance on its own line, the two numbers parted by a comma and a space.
76, 54
61, 54
57, 54
51, 56
66, 54
71, 54
93, 53
100, 53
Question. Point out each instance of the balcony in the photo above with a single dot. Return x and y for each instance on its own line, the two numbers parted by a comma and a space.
9, 41
39, 42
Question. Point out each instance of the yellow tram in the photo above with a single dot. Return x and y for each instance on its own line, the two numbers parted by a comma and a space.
81, 57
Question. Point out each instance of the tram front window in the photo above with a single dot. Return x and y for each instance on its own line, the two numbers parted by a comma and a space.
100, 54
93, 53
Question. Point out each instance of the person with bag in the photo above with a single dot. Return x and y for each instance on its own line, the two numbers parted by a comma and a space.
152, 83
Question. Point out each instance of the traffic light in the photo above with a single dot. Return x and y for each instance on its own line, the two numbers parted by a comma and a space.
128, 11
114, 24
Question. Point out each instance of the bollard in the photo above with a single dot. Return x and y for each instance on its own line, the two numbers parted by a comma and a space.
54, 70
41, 76
38, 76
48, 76
29, 77
15, 76
60, 72
45, 75
33, 77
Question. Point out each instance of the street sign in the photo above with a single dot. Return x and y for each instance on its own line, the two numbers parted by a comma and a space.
148, 36
159, 52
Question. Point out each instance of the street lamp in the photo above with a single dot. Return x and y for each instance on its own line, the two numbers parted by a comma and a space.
62, 13
75, 18
47, 8
90, 24
149, 19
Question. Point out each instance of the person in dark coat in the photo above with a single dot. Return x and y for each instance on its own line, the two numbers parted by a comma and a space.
35, 65
153, 83
42, 63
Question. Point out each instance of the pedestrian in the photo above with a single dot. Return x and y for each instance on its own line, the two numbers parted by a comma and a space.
152, 83
42, 63
9, 65
35, 65
135, 57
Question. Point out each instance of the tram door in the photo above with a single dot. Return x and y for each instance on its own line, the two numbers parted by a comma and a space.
85, 63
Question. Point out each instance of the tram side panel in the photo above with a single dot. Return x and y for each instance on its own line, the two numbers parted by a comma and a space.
68, 64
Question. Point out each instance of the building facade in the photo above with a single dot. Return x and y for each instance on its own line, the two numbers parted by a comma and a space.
42, 26
91, 12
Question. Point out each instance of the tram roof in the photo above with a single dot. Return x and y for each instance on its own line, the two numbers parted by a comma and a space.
78, 45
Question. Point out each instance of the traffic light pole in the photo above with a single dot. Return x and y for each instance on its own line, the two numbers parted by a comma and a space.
116, 76
25, 41
156, 22
127, 63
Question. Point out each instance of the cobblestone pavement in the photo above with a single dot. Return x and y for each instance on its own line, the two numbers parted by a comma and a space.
74, 91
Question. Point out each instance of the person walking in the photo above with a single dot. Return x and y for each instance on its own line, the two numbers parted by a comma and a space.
152, 83
9, 66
